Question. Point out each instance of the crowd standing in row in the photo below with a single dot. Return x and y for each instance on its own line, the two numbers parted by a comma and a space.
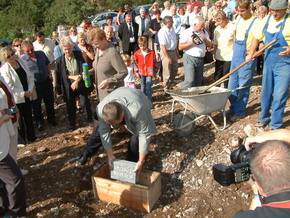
139, 48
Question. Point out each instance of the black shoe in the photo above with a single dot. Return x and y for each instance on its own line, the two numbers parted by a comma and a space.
40, 127
83, 158
72, 127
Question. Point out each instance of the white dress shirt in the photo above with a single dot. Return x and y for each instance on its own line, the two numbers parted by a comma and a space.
167, 38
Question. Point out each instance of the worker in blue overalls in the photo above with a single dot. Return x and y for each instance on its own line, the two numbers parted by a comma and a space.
241, 81
276, 72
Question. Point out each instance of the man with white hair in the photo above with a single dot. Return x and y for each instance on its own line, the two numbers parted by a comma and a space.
143, 20
193, 41
166, 10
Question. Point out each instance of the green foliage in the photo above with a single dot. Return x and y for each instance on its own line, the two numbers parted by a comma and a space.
20, 18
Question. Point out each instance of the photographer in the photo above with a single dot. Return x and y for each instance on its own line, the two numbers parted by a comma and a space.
270, 167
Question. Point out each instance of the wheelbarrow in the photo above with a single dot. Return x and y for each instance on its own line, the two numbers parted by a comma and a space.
197, 106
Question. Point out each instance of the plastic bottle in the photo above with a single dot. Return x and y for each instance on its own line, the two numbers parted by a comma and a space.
86, 75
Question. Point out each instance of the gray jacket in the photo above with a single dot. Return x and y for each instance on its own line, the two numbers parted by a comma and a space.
138, 118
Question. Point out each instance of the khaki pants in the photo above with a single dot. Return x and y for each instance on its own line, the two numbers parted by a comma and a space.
169, 70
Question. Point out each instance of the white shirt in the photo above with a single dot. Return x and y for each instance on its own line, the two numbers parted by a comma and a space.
47, 47
167, 38
196, 50
130, 77
130, 25
165, 13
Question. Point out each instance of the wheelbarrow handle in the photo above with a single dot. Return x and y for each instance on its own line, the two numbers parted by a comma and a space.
257, 54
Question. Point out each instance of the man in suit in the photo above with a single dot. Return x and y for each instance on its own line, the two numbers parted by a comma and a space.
128, 33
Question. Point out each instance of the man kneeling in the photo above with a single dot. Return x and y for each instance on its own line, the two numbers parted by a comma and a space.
124, 108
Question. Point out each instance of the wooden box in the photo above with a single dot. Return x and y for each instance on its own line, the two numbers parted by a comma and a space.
140, 196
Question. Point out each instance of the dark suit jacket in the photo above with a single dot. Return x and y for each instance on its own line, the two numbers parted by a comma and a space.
63, 83
124, 34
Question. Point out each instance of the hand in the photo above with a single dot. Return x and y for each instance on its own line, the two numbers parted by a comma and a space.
28, 94
104, 84
139, 167
286, 52
111, 159
74, 86
252, 140
157, 58
4, 118
249, 57
169, 60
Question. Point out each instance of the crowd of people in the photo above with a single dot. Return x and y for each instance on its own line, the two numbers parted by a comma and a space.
138, 48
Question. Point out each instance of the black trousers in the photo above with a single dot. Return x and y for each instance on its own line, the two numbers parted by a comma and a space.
26, 128
94, 143
44, 92
71, 106
222, 68
14, 198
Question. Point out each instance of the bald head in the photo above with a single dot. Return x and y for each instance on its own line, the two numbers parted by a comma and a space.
271, 160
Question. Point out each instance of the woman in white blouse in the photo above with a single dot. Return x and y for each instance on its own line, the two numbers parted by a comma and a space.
21, 83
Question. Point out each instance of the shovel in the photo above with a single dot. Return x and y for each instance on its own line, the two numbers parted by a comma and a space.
257, 53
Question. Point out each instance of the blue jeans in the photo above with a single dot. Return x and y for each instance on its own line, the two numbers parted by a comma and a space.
146, 86
275, 88
193, 71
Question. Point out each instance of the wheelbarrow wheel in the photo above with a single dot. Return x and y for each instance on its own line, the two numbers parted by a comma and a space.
178, 122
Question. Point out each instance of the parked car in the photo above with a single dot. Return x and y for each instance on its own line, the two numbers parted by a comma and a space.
136, 10
100, 18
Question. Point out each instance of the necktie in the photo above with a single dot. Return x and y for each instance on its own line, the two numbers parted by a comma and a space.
131, 30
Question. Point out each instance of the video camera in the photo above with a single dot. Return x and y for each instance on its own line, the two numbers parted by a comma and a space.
238, 172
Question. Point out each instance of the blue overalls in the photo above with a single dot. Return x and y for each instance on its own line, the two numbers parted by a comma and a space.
242, 78
276, 79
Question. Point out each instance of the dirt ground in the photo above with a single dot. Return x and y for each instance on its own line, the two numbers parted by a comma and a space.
57, 188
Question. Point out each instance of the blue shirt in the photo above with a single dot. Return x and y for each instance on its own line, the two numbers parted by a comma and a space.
38, 68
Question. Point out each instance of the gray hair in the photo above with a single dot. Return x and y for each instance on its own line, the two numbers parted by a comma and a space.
166, 19
5, 52
66, 41
197, 20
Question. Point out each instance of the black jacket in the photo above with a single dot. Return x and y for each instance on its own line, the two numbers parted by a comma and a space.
63, 83
124, 34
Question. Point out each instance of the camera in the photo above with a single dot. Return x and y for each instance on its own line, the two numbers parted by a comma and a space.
238, 172
196, 39
11, 111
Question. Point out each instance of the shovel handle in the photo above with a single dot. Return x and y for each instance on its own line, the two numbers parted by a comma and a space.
257, 53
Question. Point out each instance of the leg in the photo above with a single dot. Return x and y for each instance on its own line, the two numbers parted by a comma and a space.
148, 87
143, 81
28, 121
71, 109
86, 99
49, 103
36, 105
91, 147
166, 69
280, 95
266, 94
198, 66
245, 81
233, 84
188, 72
225, 70
174, 66
11, 176
218, 73
133, 149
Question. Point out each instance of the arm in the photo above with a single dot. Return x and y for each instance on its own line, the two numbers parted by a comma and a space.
279, 134
119, 65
